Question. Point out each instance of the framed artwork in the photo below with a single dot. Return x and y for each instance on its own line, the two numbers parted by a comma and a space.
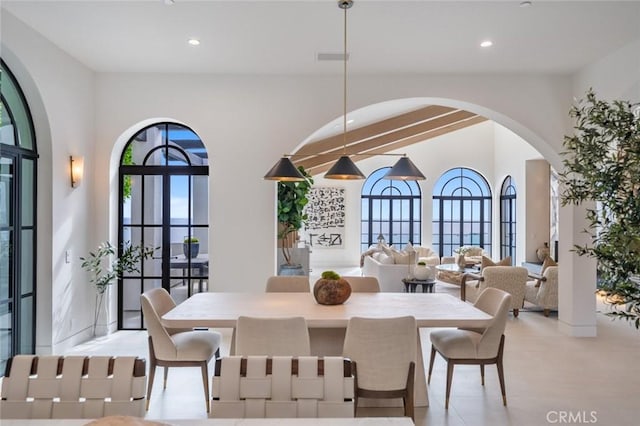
326, 217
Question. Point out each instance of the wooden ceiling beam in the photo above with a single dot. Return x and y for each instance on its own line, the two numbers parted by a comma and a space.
375, 143
374, 129
407, 141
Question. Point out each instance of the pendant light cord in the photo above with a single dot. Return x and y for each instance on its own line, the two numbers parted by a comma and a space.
344, 82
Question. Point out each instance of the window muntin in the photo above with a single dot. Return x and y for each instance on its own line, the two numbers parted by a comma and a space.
392, 208
461, 211
508, 219
164, 200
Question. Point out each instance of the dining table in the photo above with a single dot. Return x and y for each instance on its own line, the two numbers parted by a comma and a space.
327, 323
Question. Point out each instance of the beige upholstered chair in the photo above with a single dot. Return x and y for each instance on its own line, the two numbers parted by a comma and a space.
363, 284
175, 348
383, 352
475, 346
288, 284
512, 279
272, 336
543, 291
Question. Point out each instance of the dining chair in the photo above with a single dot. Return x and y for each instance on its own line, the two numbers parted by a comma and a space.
475, 346
363, 284
383, 353
282, 387
272, 336
288, 284
175, 347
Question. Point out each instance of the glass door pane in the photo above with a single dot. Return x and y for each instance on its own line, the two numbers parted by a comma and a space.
7, 292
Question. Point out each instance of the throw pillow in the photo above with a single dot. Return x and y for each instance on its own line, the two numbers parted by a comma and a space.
385, 260
403, 257
423, 251
488, 262
548, 261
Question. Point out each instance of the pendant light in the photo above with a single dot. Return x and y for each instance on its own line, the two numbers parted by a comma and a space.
404, 169
344, 168
285, 171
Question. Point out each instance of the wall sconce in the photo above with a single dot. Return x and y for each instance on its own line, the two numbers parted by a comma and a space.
76, 170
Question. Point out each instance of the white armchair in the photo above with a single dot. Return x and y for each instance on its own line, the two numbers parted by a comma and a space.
543, 291
512, 279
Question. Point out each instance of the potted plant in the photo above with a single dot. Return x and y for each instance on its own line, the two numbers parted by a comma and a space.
191, 247
292, 198
105, 267
602, 164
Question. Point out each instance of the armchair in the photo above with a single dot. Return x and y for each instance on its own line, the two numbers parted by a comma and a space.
543, 290
512, 279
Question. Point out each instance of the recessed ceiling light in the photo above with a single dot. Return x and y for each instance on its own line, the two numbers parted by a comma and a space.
193, 41
349, 121
525, 3
169, 2
486, 43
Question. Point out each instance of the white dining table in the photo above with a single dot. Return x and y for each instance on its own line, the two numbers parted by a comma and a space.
327, 324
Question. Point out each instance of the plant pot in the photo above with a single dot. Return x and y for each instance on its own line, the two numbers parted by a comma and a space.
331, 292
291, 270
190, 249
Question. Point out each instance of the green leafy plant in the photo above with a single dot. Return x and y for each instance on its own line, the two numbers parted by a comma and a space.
463, 250
330, 275
422, 263
602, 164
191, 240
127, 160
105, 267
292, 198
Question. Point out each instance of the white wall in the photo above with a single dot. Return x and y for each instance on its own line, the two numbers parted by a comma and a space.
511, 153
60, 93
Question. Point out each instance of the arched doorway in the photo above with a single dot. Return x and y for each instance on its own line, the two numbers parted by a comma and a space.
164, 203
18, 177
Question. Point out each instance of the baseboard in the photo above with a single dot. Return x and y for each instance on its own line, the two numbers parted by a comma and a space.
577, 330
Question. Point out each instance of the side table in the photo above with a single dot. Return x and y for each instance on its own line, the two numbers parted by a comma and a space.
410, 285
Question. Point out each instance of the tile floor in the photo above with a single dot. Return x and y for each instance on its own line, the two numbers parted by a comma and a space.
550, 378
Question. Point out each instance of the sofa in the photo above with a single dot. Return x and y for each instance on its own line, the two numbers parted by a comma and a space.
390, 274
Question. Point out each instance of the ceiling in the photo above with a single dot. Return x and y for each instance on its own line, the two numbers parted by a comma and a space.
284, 37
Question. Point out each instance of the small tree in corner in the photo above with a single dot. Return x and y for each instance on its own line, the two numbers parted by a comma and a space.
602, 164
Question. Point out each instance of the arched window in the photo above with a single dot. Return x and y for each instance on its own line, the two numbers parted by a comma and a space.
461, 211
18, 158
391, 208
508, 219
164, 203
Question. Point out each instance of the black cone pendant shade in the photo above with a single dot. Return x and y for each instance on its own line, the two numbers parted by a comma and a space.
285, 171
404, 169
344, 168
